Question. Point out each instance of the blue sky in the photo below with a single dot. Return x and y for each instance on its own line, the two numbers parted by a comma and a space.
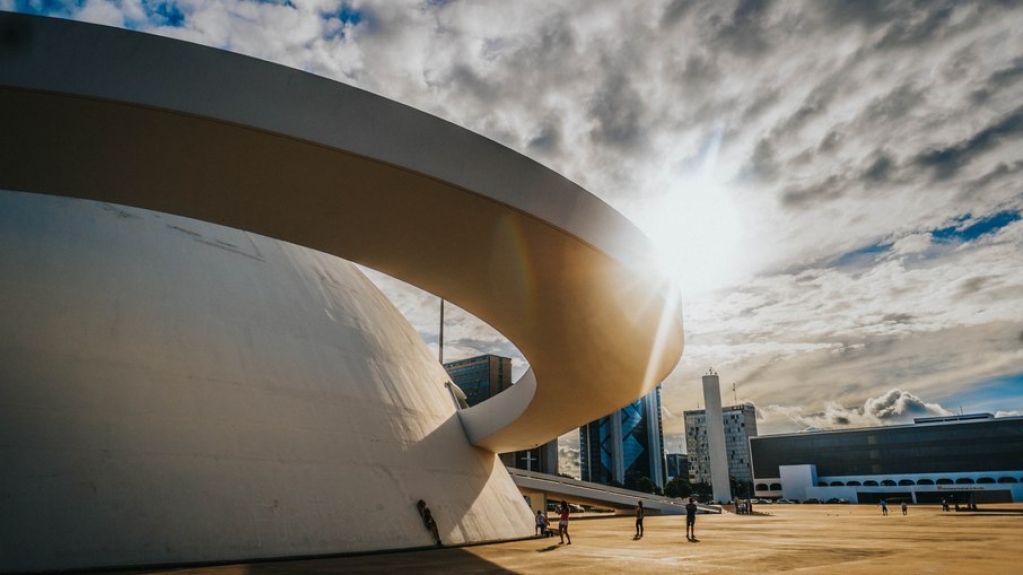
835, 185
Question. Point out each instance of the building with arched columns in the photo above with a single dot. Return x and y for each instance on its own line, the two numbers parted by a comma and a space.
971, 458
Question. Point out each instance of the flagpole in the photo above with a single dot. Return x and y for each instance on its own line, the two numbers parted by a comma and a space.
440, 341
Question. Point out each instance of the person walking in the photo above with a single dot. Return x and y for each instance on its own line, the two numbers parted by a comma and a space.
563, 523
884, 508
639, 520
691, 520
905, 508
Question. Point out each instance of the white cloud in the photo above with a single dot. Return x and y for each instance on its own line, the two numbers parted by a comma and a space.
893, 407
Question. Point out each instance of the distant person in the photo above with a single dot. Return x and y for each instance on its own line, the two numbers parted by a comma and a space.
905, 508
691, 520
639, 520
428, 521
563, 523
884, 508
541, 524
944, 504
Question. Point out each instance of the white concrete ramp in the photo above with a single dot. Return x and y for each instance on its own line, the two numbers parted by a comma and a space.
555, 487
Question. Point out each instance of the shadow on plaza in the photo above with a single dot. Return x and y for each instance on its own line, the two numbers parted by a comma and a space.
446, 560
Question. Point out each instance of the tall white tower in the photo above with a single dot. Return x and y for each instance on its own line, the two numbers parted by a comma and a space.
716, 438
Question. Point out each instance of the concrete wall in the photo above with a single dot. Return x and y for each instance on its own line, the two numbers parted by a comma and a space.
173, 391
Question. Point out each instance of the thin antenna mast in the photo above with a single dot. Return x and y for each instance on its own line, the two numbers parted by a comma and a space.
440, 340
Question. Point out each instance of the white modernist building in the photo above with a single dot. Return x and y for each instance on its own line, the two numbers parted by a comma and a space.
962, 459
189, 370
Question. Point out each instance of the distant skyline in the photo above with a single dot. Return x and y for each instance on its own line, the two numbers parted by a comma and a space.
835, 185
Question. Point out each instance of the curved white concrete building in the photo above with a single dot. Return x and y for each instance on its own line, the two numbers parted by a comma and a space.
175, 391
176, 386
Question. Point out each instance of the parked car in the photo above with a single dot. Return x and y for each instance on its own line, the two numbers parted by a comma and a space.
837, 500
812, 500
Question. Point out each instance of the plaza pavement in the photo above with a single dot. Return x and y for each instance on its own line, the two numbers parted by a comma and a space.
804, 539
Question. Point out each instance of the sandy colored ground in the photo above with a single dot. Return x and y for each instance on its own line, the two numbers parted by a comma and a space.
843, 539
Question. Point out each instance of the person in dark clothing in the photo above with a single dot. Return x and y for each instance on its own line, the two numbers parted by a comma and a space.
428, 521
639, 520
691, 520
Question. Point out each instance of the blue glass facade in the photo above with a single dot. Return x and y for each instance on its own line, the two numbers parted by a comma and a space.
625, 443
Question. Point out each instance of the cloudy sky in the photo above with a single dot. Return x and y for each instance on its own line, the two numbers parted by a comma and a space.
836, 185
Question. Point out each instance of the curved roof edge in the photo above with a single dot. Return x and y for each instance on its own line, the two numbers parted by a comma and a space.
129, 118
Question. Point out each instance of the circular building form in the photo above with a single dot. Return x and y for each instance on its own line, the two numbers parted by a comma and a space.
193, 372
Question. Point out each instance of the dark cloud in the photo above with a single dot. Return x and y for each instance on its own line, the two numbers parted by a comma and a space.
675, 12
617, 109
973, 285
830, 143
698, 70
999, 80
904, 318
814, 105
879, 169
805, 197
465, 80
916, 28
946, 162
762, 102
762, 165
744, 32
1000, 173
895, 105
547, 140
840, 13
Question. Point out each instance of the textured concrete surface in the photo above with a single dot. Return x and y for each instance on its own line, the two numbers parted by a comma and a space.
848, 539
174, 391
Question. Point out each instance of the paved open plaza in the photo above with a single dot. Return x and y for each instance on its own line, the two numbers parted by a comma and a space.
848, 539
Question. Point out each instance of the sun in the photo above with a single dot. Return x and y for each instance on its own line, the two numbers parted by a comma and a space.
696, 226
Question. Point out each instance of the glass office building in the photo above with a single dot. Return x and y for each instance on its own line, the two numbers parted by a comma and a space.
976, 457
481, 377
625, 443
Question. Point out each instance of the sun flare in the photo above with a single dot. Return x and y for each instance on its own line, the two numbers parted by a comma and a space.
696, 227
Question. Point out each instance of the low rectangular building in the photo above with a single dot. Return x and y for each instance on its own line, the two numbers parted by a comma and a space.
972, 458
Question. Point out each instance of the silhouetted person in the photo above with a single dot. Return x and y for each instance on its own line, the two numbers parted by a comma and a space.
944, 504
563, 523
691, 520
639, 520
884, 508
905, 508
428, 521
